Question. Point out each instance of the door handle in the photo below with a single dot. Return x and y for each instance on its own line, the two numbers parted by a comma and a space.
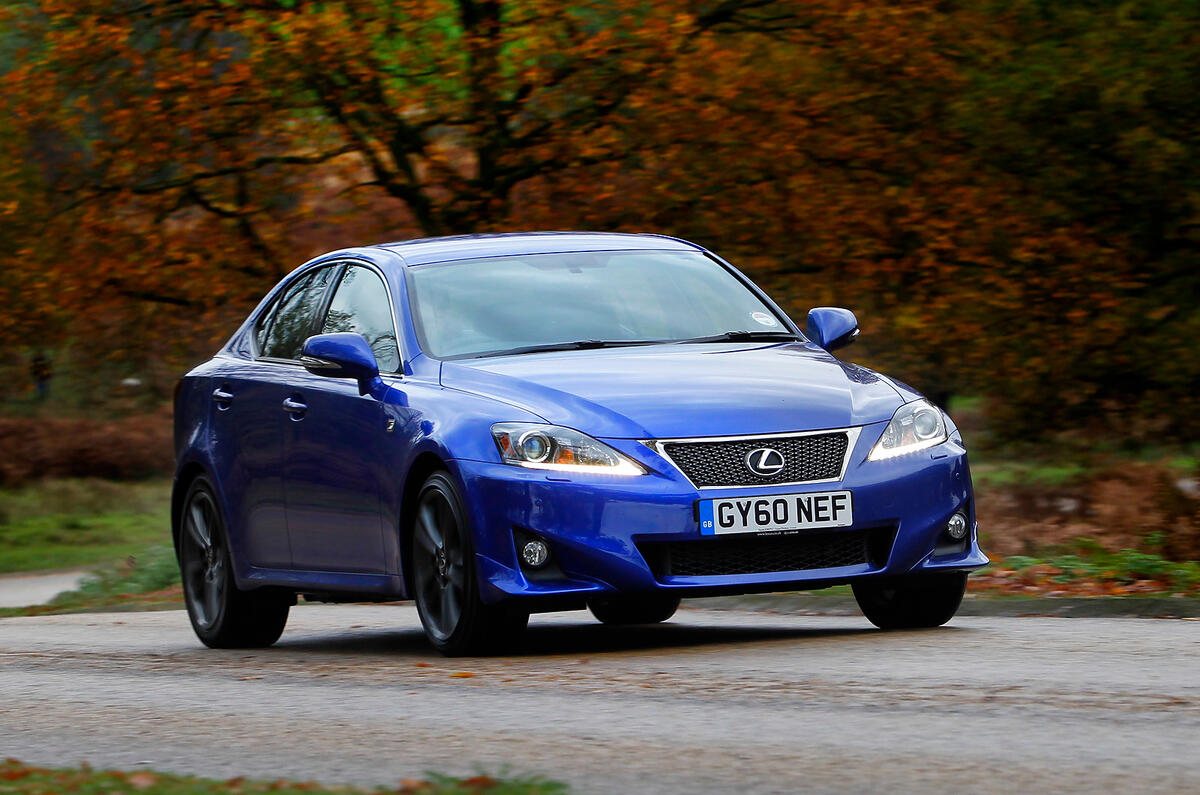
222, 398
294, 407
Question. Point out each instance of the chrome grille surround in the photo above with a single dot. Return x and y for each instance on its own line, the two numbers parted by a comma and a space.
745, 478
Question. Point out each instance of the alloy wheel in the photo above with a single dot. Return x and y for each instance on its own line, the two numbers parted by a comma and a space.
439, 563
205, 576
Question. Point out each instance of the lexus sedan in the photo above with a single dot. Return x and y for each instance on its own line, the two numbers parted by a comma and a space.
503, 424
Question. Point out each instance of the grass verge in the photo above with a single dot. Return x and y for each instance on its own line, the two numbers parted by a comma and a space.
148, 580
19, 779
1092, 572
65, 523
61, 524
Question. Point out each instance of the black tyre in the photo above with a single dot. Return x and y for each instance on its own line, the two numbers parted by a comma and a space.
928, 600
641, 609
222, 616
445, 584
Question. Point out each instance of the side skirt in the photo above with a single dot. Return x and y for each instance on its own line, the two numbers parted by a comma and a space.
336, 585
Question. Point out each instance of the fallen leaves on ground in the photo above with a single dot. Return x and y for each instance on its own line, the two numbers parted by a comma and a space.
1046, 579
17, 778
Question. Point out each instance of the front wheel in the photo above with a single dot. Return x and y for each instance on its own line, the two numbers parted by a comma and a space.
223, 616
456, 620
913, 602
647, 609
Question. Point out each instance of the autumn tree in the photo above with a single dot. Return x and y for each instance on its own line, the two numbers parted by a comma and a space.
239, 124
1002, 190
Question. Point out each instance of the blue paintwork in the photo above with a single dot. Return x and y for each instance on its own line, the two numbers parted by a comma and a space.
670, 391
314, 500
350, 352
832, 327
449, 249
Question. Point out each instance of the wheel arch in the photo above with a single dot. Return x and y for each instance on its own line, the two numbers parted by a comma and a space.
424, 465
184, 478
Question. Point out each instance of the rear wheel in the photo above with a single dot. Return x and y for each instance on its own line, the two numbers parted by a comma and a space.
644, 609
455, 619
222, 616
914, 602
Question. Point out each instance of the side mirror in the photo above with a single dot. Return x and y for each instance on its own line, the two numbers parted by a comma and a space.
341, 355
832, 327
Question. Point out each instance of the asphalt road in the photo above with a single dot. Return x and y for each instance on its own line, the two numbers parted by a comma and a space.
715, 701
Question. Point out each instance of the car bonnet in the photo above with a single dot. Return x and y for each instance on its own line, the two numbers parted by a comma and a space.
683, 390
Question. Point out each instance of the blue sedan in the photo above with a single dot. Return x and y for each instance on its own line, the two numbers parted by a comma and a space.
499, 425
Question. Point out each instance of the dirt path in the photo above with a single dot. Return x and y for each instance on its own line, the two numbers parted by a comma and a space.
21, 590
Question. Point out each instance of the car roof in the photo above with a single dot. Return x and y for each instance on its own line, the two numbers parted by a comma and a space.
445, 249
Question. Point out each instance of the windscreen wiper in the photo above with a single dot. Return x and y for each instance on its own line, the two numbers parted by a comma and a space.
575, 345
746, 336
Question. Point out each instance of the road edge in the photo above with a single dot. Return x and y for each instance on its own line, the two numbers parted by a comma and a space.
1062, 607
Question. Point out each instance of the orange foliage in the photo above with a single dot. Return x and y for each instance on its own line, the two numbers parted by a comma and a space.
179, 156
133, 447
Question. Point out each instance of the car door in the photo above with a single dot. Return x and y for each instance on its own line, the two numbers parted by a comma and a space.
335, 463
247, 423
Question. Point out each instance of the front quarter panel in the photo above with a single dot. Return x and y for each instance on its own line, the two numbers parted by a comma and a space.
430, 424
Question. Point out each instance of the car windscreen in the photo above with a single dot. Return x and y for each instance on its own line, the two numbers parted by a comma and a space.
493, 306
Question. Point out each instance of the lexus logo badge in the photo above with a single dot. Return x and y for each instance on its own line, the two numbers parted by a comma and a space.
765, 462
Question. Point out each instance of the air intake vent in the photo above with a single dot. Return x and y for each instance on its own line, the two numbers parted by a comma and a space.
713, 557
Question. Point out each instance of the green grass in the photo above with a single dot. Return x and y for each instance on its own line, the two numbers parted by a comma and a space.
1017, 466
962, 405
1126, 565
1028, 473
147, 580
1085, 568
1058, 460
19, 779
62, 524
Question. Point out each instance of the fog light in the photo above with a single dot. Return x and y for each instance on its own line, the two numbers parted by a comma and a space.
956, 528
535, 553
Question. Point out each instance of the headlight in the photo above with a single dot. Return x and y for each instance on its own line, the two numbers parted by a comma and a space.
537, 446
915, 426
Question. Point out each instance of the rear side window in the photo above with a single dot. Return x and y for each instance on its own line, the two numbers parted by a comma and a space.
361, 305
291, 322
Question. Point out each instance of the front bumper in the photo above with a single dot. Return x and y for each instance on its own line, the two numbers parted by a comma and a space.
605, 532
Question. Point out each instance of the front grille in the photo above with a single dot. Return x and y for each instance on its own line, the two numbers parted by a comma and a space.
723, 463
710, 557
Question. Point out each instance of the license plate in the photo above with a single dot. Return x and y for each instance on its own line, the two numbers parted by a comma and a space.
776, 514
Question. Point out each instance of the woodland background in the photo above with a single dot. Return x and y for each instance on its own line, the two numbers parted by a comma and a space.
1006, 193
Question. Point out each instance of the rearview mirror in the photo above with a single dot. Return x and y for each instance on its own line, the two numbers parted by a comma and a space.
832, 327
341, 355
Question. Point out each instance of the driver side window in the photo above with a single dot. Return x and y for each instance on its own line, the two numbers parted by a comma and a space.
361, 305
